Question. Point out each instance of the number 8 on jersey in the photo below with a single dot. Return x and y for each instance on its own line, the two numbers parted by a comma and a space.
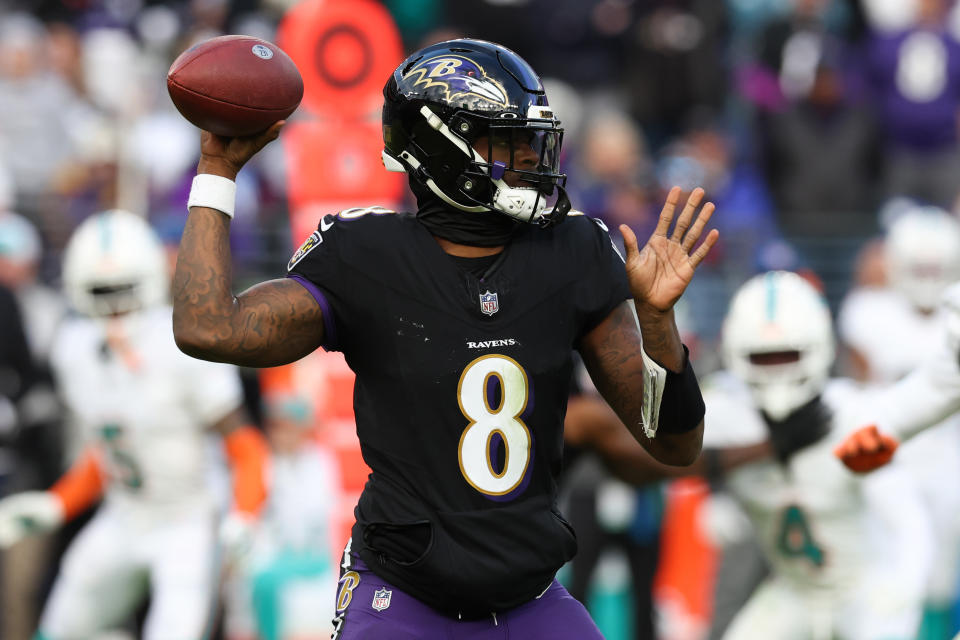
475, 392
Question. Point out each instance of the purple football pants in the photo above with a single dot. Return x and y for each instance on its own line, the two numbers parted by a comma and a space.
369, 608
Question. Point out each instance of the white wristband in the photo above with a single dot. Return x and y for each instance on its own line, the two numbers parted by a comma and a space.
214, 192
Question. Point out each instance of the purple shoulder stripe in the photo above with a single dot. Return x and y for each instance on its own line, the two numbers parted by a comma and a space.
329, 326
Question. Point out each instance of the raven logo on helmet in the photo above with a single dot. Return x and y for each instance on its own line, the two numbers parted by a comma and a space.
457, 76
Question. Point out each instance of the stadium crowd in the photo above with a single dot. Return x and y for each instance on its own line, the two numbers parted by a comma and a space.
827, 133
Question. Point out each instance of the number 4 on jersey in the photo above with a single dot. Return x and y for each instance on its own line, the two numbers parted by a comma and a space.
796, 540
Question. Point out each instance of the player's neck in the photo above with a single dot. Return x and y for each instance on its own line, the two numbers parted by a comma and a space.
466, 250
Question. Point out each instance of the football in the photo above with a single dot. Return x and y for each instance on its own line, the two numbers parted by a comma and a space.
234, 85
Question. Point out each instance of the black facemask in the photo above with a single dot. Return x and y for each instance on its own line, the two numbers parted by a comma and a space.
802, 428
483, 229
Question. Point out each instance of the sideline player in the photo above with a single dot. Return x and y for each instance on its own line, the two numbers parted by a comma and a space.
460, 321
143, 409
849, 555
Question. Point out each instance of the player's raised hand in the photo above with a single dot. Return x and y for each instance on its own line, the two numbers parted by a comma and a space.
660, 272
866, 449
226, 156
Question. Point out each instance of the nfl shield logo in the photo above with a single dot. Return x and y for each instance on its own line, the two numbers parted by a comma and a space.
381, 599
488, 303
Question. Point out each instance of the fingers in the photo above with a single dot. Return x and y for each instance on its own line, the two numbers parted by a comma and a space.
866, 449
863, 440
666, 214
683, 232
693, 201
268, 136
274, 131
697, 257
694, 234
629, 241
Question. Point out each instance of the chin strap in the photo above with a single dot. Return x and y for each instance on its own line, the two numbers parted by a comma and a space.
559, 212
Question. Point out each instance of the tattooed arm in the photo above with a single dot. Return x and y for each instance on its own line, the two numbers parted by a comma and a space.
611, 353
658, 275
590, 422
270, 324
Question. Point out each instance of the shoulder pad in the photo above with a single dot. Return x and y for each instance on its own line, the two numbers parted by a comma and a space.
315, 239
359, 212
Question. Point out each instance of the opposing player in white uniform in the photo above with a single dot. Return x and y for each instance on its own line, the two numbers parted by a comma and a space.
849, 554
889, 331
144, 411
923, 399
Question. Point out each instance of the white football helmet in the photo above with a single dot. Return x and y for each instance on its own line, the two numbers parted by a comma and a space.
114, 263
922, 251
778, 338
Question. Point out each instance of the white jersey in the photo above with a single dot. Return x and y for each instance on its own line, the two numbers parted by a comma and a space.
885, 328
150, 417
826, 532
931, 392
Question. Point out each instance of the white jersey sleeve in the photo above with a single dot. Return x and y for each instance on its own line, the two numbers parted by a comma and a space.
730, 419
886, 330
929, 395
212, 389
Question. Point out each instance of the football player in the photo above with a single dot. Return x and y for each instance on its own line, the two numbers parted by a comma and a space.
890, 331
144, 411
922, 399
849, 555
459, 321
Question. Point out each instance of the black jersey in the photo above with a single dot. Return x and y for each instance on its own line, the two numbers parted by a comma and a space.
460, 395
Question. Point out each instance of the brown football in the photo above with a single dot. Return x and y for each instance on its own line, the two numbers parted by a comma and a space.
234, 85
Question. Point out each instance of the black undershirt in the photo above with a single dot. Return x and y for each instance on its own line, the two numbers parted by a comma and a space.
476, 266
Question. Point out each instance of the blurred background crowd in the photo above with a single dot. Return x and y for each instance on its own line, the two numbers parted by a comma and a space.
814, 125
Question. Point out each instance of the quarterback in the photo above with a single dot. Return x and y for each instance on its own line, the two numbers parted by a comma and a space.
459, 321
143, 411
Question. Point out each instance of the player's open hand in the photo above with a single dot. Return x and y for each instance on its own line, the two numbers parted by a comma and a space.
660, 272
226, 156
866, 449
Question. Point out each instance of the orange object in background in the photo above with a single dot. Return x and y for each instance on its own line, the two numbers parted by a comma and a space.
345, 51
331, 168
683, 587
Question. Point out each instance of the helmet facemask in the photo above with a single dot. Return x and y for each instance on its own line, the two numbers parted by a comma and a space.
479, 164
